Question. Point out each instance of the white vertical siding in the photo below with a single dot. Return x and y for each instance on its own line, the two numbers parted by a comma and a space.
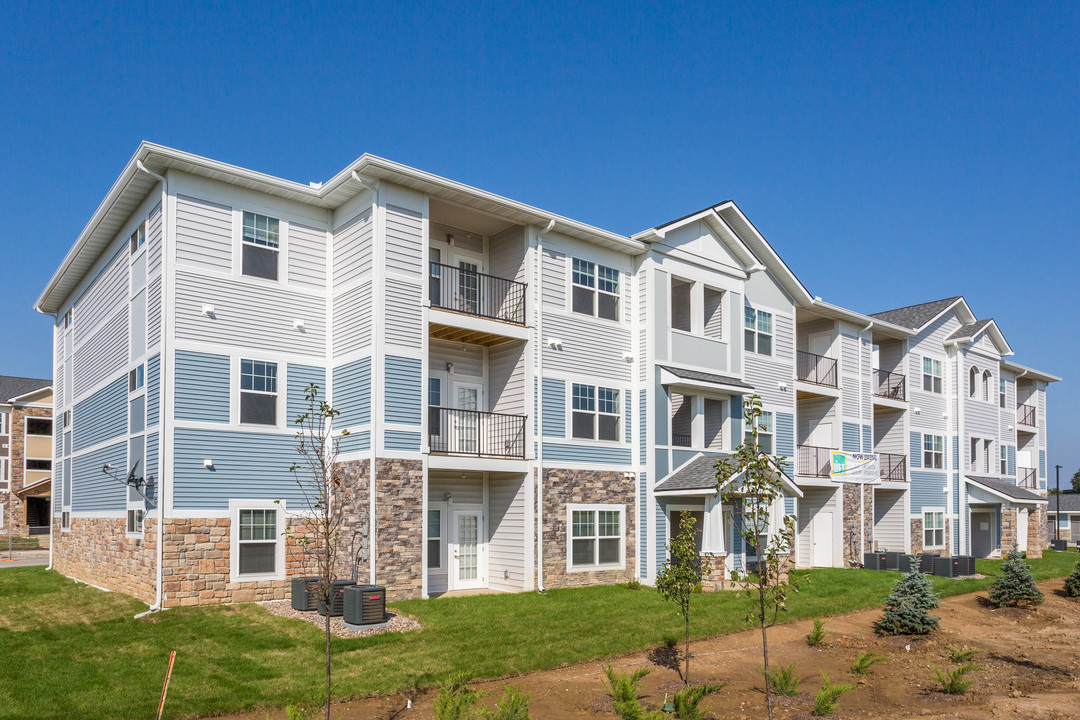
203, 233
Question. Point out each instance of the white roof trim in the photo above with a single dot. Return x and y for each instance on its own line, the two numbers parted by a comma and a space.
1003, 496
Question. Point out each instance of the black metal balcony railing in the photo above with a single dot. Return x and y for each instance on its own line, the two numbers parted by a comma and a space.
1026, 478
890, 385
814, 461
477, 433
893, 467
681, 440
1025, 415
816, 369
475, 293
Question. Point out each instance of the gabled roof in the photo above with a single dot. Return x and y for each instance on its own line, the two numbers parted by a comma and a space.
721, 381
970, 332
919, 316
1005, 489
698, 474
1070, 503
15, 387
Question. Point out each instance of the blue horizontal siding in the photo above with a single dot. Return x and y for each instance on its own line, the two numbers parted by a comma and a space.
355, 442
402, 440
955, 453
738, 422
681, 457
91, 489
352, 393
152, 465
785, 441
404, 390
299, 377
153, 391
915, 457
247, 465
627, 417
867, 439
1042, 464
789, 505
851, 437
643, 437
202, 387
660, 545
102, 416
592, 454
554, 408
927, 490
956, 493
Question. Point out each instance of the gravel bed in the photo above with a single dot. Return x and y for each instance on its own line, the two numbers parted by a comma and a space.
396, 622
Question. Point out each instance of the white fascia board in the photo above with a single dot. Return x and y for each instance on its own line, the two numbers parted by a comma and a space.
1003, 496
842, 313
26, 398
1029, 372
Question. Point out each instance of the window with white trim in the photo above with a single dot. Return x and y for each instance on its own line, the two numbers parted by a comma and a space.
596, 412
39, 426
258, 392
933, 529
757, 331
1001, 393
594, 289
932, 375
765, 431
136, 378
987, 378
134, 521
1003, 451
434, 539
933, 451
138, 238
973, 379
257, 542
260, 246
596, 536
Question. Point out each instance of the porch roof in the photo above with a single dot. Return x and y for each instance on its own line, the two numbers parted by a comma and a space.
724, 383
1070, 503
1005, 490
694, 477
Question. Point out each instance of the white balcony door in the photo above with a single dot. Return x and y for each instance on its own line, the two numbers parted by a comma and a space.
468, 287
467, 398
468, 551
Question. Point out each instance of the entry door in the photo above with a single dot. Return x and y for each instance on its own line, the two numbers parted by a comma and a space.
819, 344
467, 419
982, 534
1021, 530
822, 436
468, 288
823, 539
467, 566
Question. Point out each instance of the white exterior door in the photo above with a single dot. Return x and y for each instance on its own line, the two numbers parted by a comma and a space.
822, 435
467, 399
823, 539
819, 344
468, 287
1021, 530
467, 551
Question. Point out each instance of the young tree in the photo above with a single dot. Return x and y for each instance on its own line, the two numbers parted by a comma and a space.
1072, 582
314, 473
907, 606
680, 576
1015, 586
750, 482
1076, 482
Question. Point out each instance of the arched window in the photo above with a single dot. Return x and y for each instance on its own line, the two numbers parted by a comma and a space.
987, 377
973, 379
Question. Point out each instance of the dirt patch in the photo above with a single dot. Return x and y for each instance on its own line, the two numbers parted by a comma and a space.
1031, 669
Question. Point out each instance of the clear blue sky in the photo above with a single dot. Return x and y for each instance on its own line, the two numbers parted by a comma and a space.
892, 155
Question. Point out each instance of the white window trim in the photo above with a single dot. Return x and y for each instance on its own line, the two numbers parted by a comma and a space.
238, 245
569, 420
923, 374
568, 290
757, 333
941, 452
26, 426
282, 384
235, 506
944, 535
441, 507
593, 507
136, 534
771, 433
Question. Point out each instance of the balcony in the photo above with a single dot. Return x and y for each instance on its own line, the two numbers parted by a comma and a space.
682, 440
1025, 415
890, 385
476, 433
893, 467
475, 293
815, 369
1026, 478
814, 462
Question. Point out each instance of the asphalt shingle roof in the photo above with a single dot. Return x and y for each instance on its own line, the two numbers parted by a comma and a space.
13, 387
1005, 488
1070, 503
706, 377
969, 330
915, 316
698, 474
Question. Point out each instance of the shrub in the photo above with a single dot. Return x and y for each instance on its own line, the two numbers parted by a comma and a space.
624, 694
1015, 586
955, 682
864, 661
827, 697
783, 680
634, 584
818, 634
456, 698
907, 606
962, 656
513, 705
1072, 582
687, 701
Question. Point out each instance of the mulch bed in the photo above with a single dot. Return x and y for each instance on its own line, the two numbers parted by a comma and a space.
396, 622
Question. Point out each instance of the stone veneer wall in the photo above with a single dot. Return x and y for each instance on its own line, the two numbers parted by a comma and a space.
715, 579
917, 538
1009, 538
98, 552
563, 487
1037, 533
354, 504
15, 508
852, 519
399, 527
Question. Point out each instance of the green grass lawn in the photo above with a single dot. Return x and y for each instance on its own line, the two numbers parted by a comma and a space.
68, 650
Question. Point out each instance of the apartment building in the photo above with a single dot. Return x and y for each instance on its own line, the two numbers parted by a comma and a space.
530, 401
26, 433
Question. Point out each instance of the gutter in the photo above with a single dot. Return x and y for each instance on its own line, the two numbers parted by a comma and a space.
55, 317
961, 524
539, 269
862, 399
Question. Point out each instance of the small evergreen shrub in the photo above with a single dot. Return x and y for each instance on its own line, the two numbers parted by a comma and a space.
954, 682
513, 705
687, 701
633, 584
1072, 582
1015, 586
456, 698
907, 606
783, 680
828, 696
962, 656
865, 661
624, 694
818, 634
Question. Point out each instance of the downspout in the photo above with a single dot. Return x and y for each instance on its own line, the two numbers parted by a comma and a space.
375, 349
164, 320
862, 399
52, 511
961, 526
539, 270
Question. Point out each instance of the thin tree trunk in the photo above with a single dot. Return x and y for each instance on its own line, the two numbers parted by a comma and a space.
328, 660
765, 653
686, 675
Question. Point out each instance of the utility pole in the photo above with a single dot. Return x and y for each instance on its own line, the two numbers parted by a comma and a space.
1057, 514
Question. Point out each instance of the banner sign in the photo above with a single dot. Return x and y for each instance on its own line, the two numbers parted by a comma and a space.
855, 467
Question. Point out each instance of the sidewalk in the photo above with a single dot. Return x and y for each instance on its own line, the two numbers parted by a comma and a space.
23, 558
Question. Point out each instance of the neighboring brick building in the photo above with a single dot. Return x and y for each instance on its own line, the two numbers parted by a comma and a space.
25, 456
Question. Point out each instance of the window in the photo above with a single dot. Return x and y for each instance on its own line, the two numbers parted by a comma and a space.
434, 539
136, 378
933, 529
38, 464
260, 246
596, 412
765, 432
258, 392
595, 290
39, 426
434, 402
138, 238
681, 301
67, 418
596, 537
757, 333
1004, 453
932, 374
65, 520
973, 378
1001, 392
134, 522
987, 378
257, 542
933, 452
67, 319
